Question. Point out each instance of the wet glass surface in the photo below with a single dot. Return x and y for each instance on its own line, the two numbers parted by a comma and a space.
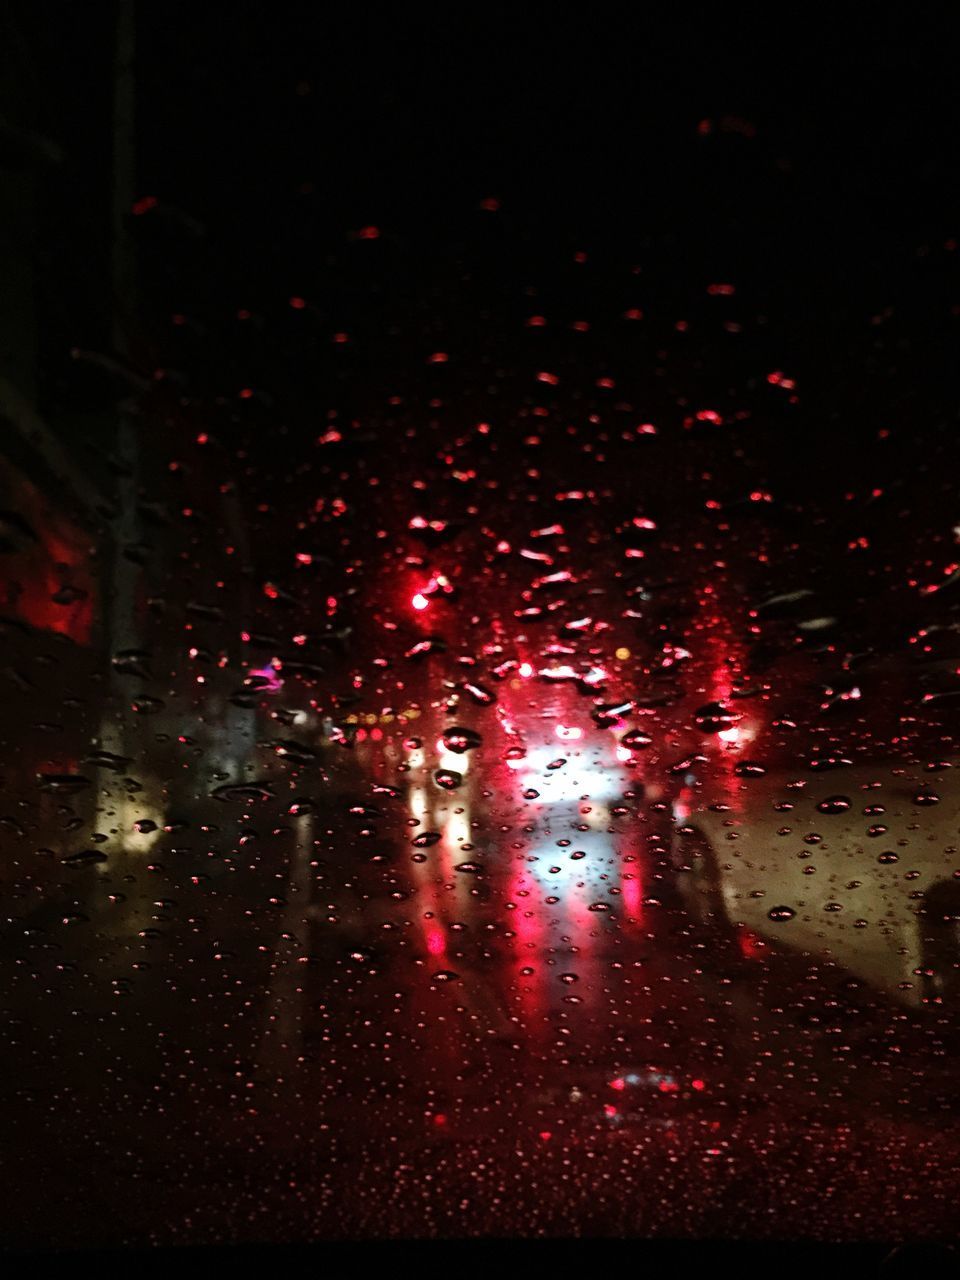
480, 686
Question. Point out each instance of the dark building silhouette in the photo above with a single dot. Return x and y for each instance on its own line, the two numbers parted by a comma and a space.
57, 89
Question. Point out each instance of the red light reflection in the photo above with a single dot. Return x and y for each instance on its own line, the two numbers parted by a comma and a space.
631, 891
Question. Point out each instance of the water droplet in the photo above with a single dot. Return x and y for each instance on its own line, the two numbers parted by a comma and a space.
448, 779
609, 713
823, 764
107, 760
144, 705
64, 783
85, 858
295, 752
834, 805
925, 797
459, 740
480, 694
715, 717
243, 792
68, 595
132, 662
749, 769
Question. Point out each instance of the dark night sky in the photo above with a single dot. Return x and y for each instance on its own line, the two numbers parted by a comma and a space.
402, 110
808, 163
585, 129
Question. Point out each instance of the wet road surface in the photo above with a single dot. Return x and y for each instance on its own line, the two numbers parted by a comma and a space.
396, 978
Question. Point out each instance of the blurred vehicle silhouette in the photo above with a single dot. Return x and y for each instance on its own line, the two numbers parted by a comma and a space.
861, 864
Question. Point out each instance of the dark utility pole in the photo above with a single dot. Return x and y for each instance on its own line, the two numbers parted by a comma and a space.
122, 576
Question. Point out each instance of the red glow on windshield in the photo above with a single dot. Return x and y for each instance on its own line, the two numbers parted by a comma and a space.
751, 947
632, 892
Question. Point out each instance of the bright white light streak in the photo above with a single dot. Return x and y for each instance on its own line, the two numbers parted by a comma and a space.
418, 802
450, 760
580, 776
456, 829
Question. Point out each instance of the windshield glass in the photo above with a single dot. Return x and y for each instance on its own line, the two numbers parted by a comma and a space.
480, 634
